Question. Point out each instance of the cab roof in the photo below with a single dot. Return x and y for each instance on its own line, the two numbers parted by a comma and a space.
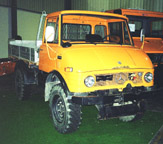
137, 12
85, 12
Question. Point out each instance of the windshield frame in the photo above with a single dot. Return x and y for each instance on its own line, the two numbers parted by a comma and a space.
100, 16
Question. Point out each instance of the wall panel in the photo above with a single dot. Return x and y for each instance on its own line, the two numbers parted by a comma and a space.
41, 5
157, 5
100, 5
79, 4
5, 2
28, 24
31, 5
4, 31
148, 4
134, 4
53, 5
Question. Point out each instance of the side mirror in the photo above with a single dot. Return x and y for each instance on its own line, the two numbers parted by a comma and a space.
142, 35
49, 34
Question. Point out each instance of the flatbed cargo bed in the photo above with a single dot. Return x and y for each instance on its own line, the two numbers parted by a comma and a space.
24, 49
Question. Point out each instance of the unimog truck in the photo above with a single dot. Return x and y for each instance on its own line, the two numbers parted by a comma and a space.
86, 58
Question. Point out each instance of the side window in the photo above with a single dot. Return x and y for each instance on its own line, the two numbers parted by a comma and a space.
101, 30
119, 33
135, 27
157, 28
75, 32
115, 28
115, 32
126, 36
51, 33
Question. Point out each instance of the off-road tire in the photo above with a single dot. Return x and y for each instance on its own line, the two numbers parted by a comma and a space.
66, 115
22, 90
130, 118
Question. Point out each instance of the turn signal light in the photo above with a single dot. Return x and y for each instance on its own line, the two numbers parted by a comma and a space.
68, 69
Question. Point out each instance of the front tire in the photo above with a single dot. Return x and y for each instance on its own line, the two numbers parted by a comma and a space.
66, 115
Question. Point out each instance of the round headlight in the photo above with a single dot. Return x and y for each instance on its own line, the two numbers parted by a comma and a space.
89, 81
148, 77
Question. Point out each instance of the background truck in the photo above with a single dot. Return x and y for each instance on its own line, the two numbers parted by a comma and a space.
7, 66
152, 24
85, 58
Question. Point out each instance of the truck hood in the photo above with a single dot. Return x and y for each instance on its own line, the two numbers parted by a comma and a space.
94, 58
151, 45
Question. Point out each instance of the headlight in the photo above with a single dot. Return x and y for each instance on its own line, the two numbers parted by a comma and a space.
89, 81
148, 77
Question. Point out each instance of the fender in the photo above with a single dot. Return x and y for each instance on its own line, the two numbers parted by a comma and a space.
54, 78
30, 75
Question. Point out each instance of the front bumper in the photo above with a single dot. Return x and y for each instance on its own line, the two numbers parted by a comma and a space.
101, 97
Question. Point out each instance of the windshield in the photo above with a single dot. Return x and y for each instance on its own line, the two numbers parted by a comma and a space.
153, 27
85, 29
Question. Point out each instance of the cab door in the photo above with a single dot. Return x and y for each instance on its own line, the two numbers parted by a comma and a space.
50, 45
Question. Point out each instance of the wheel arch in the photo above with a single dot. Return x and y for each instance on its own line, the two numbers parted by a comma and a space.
54, 78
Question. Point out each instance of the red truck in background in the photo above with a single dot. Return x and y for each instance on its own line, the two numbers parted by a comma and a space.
151, 23
7, 66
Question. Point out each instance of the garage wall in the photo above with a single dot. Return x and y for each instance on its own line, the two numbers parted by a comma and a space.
41, 5
5, 2
27, 24
102, 5
4, 31
29, 12
36, 5
28, 16
153, 5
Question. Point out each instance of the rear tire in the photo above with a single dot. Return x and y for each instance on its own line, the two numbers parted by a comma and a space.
22, 90
66, 115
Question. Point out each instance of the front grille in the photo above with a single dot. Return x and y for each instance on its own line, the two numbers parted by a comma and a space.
117, 78
104, 78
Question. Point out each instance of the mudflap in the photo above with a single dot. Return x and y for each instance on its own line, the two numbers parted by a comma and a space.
107, 112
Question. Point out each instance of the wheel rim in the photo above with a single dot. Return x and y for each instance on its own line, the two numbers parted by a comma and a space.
59, 109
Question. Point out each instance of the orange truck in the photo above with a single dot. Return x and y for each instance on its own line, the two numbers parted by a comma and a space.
86, 58
152, 24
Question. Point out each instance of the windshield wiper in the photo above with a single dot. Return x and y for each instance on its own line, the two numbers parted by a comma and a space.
66, 44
